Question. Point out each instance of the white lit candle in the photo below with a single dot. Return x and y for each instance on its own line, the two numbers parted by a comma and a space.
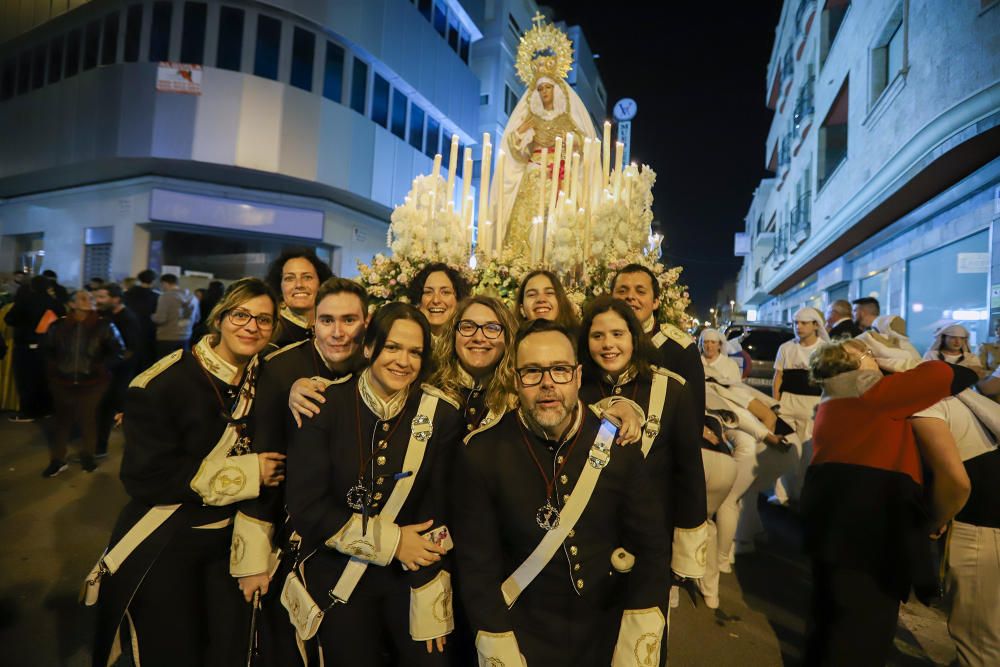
452, 164
574, 177
541, 183
619, 152
436, 170
606, 162
556, 166
484, 191
498, 196
466, 183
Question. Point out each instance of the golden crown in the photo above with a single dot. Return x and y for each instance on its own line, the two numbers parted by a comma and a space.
545, 50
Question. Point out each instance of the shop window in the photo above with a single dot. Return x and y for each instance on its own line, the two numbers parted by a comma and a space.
399, 114
265, 62
72, 65
38, 68
333, 72
97, 252
876, 286
887, 54
359, 85
193, 33
109, 43
433, 137
950, 283
133, 33
831, 20
453, 36
91, 45
833, 137
440, 19
514, 27
159, 32
303, 55
416, 127
380, 101
229, 51
24, 73
56, 49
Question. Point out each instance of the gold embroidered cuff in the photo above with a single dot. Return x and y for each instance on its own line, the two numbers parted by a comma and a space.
224, 481
251, 551
640, 638
690, 546
430, 609
498, 650
377, 546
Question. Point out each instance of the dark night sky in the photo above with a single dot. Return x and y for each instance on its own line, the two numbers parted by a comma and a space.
696, 70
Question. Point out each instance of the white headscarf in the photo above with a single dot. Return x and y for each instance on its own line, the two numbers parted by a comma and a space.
728, 346
809, 314
955, 330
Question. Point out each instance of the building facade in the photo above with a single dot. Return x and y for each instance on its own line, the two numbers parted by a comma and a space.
275, 124
884, 151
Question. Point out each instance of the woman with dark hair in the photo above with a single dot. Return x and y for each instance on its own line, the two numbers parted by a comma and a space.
367, 485
436, 291
475, 364
615, 356
542, 296
206, 302
295, 277
187, 463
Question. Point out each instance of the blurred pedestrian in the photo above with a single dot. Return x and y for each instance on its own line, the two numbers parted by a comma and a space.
866, 309
206, 302
34, 310
866, 528
176, 313
798, 396
109, 303
838, 320
972, 574
141, 299
79, 348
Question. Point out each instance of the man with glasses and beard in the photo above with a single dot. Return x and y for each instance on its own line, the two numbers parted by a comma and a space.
543, 504
332, 354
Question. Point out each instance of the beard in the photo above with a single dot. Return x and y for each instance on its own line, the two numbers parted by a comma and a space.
549, 417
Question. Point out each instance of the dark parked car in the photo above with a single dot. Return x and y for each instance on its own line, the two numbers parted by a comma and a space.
760, 343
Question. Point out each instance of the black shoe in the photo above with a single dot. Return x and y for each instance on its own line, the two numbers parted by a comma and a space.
88, 463
54, 468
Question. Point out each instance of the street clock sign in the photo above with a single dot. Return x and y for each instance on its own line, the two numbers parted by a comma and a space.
624, 112
625, 109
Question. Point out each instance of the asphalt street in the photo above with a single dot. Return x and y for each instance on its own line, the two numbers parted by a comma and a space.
53, 530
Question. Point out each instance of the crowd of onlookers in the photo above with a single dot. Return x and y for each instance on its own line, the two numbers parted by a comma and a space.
73, 353
882, 451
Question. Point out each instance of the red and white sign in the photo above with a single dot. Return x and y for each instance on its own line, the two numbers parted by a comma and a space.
178, 78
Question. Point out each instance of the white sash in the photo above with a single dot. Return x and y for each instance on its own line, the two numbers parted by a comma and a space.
415, 450
657, 399
600, 455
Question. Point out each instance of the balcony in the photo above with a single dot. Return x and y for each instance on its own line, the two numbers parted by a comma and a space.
799, 229
787, 72
805, 14
802, 115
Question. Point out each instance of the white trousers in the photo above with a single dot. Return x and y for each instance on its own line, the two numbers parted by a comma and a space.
972, 590
720, 473
799, 411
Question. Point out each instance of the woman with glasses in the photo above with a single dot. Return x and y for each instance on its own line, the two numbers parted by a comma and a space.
615, 357
436, 291
542, 296
367, 485
164, 584
474, 364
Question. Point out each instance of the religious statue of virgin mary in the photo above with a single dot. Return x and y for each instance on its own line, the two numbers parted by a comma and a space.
548, 109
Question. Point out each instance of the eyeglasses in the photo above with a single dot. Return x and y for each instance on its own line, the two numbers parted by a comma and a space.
241, 318
531, 376
468, 328
866, 353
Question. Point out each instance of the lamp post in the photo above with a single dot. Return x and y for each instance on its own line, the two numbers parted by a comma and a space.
715, 321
